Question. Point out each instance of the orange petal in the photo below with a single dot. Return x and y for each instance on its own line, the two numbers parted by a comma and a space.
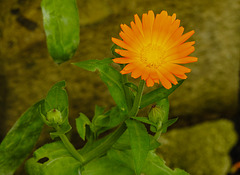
182, 76
176, 72
137, 32
133, 33
149, 82
151, 19
127, 30
164, 81
145, 74
163, 31
126, 53
183, 38
154, 76
125, 72
168, 75
175, 68
185, 60
175, 36
146, 28
122, 44
122, 60
130, 66
179, 55
131, 42
156, 26
180, 48
136, 73
156, 81
172, 29
159, 27
138, 23
173, 17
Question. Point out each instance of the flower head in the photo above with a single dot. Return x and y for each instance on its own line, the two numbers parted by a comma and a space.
154, 48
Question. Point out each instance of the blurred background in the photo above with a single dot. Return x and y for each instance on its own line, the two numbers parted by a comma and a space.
204, 141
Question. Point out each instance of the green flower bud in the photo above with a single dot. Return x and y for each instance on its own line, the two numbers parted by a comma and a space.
54, 116
159, 113
156, 116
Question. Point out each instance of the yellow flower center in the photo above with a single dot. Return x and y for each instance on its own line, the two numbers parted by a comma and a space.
153, 55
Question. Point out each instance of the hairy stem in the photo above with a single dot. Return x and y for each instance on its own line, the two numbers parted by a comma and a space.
104, 146
70, 147
137, 101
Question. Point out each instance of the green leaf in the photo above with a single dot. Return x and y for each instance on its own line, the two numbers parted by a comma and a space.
113, 50
20, 140
140, 143
99, 120
113, 79
158, 94
81, 123
116, 116
52, 159
154, 144
57, 98
123, 157
98, 111
144, 120
124, 144
62, 28
178, 171
168, 123
102, 122
62, 129
110, 76
132, 86
112, 118
105, 166
156, 166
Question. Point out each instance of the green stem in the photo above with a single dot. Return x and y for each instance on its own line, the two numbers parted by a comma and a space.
157, 135
126, 89
70, 147
105, 145
137, 101
127, 92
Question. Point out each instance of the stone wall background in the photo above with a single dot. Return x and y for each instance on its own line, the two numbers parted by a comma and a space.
27, 71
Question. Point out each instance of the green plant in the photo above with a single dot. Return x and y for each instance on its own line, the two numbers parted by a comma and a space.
128, 148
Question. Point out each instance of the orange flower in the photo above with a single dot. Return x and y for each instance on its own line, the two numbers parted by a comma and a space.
153, 49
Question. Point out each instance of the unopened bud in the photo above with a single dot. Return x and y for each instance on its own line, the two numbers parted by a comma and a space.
159, 113
156, 115
54, 116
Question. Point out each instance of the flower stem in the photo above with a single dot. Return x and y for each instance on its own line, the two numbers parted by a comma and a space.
103, 147
127, 92
137, 100
126, 89
71, 148
157, 135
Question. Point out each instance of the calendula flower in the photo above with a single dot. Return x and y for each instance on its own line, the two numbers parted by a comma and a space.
154, 48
